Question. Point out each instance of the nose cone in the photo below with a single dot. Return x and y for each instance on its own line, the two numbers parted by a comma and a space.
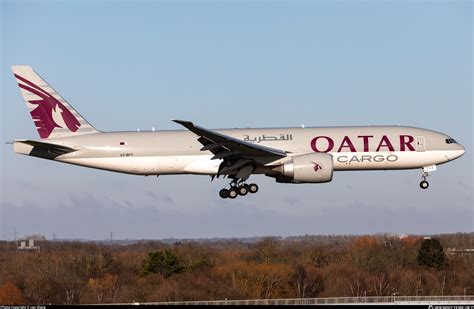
456, 153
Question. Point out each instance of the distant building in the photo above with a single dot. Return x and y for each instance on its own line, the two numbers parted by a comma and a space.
461, 252
31, 246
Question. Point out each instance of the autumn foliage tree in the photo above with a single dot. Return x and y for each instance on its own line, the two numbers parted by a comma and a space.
105, 288
300, 267
258, 280
10, 294
307, 282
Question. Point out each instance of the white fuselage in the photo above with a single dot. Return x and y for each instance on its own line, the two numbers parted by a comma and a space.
178, 152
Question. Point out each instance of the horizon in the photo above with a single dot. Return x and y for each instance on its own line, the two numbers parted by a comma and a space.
250, 238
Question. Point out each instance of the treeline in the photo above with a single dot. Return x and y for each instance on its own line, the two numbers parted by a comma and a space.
312, 266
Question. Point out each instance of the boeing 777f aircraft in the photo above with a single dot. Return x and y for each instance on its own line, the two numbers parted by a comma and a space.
290, 155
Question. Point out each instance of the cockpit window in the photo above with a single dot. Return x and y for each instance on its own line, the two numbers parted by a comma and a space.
450, 141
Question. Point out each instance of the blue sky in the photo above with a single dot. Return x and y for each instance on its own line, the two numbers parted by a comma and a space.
137, 64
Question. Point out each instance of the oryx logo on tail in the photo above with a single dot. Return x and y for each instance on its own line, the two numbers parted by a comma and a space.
49, 113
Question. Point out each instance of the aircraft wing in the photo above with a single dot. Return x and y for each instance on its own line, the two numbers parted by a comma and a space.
222, 145
235, 153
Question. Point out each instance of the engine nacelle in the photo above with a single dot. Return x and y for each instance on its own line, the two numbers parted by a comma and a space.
307, 168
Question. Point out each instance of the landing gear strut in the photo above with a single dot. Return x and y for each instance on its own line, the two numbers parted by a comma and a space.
238, 187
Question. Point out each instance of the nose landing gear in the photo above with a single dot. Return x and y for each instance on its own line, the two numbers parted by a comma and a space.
425, 184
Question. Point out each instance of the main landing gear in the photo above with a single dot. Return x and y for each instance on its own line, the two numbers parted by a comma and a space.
237, 189
425, 184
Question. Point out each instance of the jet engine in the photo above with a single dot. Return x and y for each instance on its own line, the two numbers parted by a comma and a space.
306, 168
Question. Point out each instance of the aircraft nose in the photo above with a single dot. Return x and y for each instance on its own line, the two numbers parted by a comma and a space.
458, 152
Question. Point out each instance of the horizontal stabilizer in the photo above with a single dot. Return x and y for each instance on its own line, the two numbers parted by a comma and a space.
47, 149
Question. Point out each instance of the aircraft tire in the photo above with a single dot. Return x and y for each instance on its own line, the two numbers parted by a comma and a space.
424, 184
243, 190
224, 193
253, 188
233, 192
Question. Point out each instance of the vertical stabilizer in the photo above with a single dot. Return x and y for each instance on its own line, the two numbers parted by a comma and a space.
52, 115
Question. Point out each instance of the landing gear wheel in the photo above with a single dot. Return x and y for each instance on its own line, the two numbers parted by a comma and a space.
243, 190
253, 188
233, 192
224, 193
424, 184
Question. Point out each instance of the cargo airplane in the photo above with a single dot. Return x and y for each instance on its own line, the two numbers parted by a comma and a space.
290, 155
